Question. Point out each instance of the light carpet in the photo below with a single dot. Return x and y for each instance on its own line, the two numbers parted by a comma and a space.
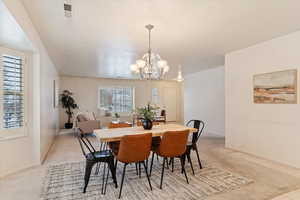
65, 182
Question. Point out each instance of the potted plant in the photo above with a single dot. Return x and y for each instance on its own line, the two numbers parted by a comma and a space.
117, 117
69, 104
147, 115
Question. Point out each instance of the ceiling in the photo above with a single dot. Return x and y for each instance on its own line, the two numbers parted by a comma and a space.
11, 34
104, 37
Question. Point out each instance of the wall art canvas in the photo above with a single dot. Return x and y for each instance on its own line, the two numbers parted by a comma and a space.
276, 87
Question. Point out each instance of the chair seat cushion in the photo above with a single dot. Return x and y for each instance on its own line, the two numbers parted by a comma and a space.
99, 154
81, 118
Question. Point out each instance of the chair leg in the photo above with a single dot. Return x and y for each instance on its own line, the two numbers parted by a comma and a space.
113, 170
122, 181
162, 173
190, 161
116, 164
139, 170
196, 149
103, 179
136, 169
147, 163
97, 168
183, 169
183, 161
167, 162
146, 171
88, 170
172, 160
106, 181
151, 163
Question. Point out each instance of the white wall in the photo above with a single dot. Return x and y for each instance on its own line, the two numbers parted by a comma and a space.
86, 93
20, 153
204, 99
49, 116
271, 131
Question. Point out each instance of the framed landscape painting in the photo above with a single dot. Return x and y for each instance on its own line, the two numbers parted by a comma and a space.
276, 87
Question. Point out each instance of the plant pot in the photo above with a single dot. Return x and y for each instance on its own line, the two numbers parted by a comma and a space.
68, 125
147, 124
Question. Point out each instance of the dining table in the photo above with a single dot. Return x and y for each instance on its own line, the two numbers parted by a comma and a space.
115, 134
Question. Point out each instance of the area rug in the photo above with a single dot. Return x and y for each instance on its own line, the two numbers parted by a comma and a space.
65, 182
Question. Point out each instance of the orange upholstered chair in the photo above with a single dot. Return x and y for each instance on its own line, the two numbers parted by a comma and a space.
155, 140
172, 145
119, 125
114, 146
134, 149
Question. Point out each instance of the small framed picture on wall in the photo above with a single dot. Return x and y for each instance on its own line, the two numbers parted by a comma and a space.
55, 94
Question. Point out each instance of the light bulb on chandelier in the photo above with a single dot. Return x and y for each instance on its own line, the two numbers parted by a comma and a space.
179, 76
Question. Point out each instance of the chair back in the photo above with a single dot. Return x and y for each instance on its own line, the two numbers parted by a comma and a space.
135, 148
85, 144
81, 118
119, 125
163, 113
173, 143
199, 125
88, 126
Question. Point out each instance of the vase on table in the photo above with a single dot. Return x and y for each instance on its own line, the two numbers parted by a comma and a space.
147, 124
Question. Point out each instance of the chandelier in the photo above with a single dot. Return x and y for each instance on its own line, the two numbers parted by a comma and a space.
151, 66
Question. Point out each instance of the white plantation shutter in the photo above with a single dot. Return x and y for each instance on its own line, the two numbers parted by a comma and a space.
12, 94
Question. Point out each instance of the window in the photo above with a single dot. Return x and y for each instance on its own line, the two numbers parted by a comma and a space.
155, 97
12, 98
116, 99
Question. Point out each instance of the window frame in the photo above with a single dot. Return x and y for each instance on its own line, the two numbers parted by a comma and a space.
119, 87
155, 99
12, 133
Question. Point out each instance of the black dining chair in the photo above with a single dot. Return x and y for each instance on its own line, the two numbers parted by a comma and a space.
192, 145
93, 157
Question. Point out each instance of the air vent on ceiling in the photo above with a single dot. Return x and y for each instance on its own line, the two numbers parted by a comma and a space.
68, 9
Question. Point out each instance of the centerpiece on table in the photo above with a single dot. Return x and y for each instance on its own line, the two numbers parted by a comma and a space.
147, 115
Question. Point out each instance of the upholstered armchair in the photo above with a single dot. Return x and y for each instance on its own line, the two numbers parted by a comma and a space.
87, 125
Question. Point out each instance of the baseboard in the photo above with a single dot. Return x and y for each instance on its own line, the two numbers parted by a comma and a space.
263, 158
43, 158
213, 134
18, 170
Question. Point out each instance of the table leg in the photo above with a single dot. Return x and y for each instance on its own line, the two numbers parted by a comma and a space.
113, 171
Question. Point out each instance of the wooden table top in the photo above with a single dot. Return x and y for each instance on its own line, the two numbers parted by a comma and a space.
115, 134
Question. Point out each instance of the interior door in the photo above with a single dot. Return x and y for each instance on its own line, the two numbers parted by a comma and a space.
170, 103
